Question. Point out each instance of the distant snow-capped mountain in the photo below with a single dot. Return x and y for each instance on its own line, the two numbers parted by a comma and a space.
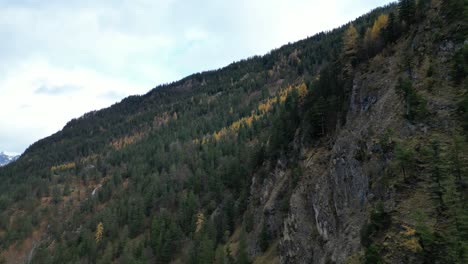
5, 158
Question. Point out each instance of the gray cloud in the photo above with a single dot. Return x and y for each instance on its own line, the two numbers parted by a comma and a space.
57, 90
112, 95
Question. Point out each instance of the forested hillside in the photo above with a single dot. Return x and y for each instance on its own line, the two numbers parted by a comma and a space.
346, 147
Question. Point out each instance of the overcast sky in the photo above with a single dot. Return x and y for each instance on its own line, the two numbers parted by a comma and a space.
60, 59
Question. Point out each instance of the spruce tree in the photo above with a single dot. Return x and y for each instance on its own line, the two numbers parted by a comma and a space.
242, 256
264, 238
220, 257
390, 32
206, 251
437, 174
454, 9
407, 11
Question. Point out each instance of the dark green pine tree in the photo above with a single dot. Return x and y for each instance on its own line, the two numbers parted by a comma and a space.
164, 237
264, 238
136, 216
407, 11
206, 251
437, 176
318, 118
242, 255
390, 33
454, 9
156, 235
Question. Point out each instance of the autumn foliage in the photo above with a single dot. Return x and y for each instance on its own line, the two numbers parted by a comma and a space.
99, 232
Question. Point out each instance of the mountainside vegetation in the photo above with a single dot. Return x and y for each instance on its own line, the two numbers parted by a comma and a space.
346, 147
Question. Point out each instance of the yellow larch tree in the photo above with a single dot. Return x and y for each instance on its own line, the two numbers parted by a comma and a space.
99, 232
350, 46
350, 41
200, 222
379, 24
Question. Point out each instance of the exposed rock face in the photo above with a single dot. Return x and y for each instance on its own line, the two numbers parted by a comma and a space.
330, 204
266, 195
341, 174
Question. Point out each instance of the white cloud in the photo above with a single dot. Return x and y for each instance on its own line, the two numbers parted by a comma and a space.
36, 114
61, 59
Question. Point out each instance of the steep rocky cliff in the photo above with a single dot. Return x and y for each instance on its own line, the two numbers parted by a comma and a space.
351, 173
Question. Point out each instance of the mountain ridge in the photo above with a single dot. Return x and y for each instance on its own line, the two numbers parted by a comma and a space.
256, 59
6, 159
347, 147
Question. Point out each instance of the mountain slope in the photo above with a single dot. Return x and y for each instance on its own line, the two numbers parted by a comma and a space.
348, 146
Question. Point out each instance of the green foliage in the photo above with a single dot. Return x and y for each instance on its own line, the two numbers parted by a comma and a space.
379, 222
405, 157
407, 11
463, 108
164, 237
372, 255
56, 195
454, 9
422, 7
229, 257
424, 232
285, 124
437, 173
42, 255
203, 246
136, 216
456, 12
108, 255
248, 221
242, 255
264, 238
460, 64
159, 165
392, 31
317, 117
446, 241
220, 255
324, 103
415, 104
387, 141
